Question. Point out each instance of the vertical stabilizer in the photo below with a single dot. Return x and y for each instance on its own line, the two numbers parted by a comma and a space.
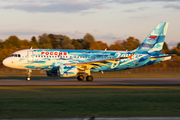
153, 44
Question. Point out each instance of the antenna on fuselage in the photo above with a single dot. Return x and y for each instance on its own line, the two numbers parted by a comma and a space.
105, 49
31, 48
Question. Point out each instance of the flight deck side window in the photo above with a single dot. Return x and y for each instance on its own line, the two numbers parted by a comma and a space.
19, 55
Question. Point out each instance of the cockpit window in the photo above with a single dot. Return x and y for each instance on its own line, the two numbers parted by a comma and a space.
15, 55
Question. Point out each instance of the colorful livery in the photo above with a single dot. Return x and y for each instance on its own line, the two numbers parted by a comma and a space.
68, 63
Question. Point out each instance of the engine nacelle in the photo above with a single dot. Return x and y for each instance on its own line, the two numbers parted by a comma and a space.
67, 71
63, 71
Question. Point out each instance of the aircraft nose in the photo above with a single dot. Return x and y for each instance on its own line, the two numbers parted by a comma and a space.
6, 62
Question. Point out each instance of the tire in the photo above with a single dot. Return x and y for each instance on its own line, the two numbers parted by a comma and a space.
89, 78
28, 78
80, 77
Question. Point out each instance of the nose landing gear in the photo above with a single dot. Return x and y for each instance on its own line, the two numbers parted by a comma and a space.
28, 75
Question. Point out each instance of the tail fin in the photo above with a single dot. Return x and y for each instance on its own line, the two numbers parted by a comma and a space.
153, 44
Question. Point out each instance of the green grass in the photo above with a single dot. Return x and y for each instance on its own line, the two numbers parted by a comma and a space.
54, 102
95, 75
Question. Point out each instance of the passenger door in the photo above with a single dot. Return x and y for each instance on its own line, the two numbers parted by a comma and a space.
30, 56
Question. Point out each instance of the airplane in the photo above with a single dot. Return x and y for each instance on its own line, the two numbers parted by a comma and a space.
69, 63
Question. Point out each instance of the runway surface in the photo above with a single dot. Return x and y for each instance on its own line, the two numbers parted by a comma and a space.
95, 82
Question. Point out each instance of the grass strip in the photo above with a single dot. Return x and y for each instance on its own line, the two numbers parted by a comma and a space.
54, 102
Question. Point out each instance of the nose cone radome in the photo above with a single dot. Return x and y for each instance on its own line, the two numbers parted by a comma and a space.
6, 62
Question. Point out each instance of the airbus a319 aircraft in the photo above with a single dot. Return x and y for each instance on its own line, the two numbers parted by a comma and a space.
68, 63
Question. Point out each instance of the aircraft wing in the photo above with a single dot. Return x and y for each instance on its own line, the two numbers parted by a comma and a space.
95, 64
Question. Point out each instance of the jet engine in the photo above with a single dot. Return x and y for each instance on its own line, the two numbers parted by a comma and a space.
67, 71
63, 71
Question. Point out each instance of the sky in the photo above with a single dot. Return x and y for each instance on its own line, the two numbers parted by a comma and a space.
106, 20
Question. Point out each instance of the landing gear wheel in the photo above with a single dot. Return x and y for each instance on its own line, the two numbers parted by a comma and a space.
89, 78
80, 77
28, 78
28, 75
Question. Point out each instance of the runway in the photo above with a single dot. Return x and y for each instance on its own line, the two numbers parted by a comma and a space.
95, 82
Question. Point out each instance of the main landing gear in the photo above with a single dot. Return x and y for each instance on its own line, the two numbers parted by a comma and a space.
28, 75
89, 78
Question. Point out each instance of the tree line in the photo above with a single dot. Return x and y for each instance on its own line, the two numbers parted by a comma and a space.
53, 41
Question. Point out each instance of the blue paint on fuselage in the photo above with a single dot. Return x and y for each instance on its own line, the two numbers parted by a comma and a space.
43, 61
